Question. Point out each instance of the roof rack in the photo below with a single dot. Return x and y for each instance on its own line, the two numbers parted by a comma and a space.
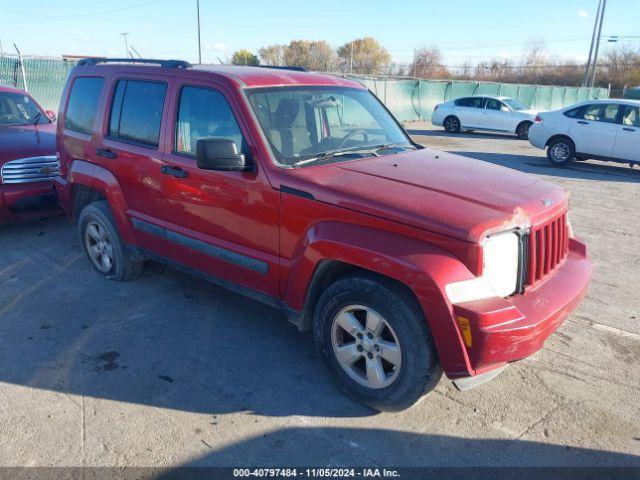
284, 67
163, 63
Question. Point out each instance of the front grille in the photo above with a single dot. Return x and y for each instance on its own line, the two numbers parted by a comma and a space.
548, 246
33, 169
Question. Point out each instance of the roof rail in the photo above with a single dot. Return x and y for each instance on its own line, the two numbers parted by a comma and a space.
284, 67
163, 63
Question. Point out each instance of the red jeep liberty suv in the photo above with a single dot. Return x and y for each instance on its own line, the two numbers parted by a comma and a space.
303, 191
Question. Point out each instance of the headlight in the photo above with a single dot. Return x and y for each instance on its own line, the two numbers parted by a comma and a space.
501, 253
500, 266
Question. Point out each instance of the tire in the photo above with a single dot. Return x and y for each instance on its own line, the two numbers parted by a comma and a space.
451, 124
362, 296
522, 130
561, 151
100, 239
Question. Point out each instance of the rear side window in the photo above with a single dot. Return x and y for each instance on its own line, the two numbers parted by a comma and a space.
83, 103
606, 112
472, 102
205, 113
574, 112
136, 112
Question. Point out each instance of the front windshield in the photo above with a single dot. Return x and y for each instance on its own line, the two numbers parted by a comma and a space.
304, 123
20, 109
516, 105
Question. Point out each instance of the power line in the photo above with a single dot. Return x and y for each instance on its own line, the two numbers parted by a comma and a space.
6, 10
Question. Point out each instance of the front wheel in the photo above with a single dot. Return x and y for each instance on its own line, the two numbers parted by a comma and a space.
374, 338
561, 152
522, 131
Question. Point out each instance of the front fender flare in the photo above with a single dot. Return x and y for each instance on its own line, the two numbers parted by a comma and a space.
423, 268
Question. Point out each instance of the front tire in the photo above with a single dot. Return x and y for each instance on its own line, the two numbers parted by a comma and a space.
101, 242
451, 124
374, 338
561, 151
522, 130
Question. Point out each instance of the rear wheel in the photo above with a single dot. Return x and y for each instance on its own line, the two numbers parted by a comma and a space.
451, 124
561, 151
101, 242
522, 131
374, 338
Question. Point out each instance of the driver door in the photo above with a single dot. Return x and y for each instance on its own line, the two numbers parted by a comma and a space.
224, 224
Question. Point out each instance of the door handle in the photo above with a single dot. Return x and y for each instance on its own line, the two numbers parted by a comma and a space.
627, 129
174, 171
106, 153
582, 122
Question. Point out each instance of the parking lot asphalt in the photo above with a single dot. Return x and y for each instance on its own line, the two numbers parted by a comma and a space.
168, 370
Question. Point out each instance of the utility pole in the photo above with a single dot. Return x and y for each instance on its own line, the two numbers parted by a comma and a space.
24, 74
199, 46
595, 56
585, 80
351, 61
126, 44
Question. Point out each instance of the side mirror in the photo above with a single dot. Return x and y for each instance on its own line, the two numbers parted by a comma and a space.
504, 109
51, 114
221, 154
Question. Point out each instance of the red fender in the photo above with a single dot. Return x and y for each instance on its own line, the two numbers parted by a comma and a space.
425, 269
102, 180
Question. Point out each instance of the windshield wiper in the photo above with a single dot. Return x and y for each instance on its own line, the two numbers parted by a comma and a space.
36, 118
349, 151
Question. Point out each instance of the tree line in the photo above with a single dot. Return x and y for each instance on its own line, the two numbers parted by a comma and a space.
618, 66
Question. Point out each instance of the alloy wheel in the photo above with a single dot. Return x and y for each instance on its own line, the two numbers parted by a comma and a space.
99, 246
561, 152
366, 347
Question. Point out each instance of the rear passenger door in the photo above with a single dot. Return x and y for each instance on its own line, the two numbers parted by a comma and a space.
594, 129
222, 223
468, 111
627, 144
130, 149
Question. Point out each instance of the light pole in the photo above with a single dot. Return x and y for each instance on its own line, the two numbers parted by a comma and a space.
199, 46
585, 80
595, 56
126, 44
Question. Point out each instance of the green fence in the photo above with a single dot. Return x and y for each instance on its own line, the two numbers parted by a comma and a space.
408, 98
413, 99
45, 78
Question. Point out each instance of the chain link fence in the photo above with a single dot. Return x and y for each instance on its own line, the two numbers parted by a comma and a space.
408, 98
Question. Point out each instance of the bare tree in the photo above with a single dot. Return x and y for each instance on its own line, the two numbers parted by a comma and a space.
427, 63
363, 55
312, 55
272, 55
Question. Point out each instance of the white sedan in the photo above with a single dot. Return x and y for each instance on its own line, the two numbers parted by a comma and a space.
494, 114
600, 129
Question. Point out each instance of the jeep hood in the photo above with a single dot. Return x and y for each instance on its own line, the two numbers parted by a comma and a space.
22, 141
448, 194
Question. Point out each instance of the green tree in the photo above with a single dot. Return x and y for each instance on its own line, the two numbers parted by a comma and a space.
244, 57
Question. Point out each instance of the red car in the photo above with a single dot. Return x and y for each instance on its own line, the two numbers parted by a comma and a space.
28, 159
302, 190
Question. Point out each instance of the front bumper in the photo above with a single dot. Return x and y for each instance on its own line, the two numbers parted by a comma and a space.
27, 200
504, 330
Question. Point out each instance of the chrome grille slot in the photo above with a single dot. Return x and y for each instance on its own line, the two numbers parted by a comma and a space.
32, 169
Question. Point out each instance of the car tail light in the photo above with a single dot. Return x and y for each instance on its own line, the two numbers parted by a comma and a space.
538, 119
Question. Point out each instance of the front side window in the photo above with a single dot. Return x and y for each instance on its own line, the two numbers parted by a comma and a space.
136, 112
515, 105
83, 103
312, 123
205, 113
493, 104
20, 109
631, 116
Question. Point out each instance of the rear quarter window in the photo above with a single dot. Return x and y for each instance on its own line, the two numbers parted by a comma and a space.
83, 104
136, 112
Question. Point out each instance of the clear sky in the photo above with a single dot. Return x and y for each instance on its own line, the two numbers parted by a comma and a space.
464, 29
